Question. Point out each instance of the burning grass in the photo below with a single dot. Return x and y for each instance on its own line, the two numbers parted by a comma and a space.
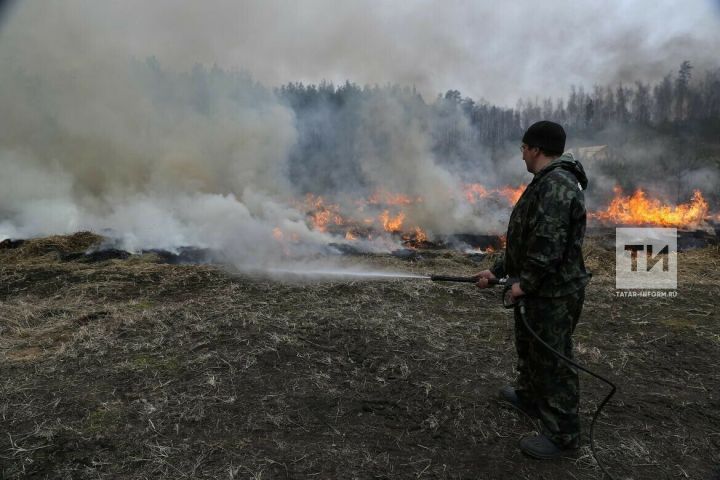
639, 209
138, 369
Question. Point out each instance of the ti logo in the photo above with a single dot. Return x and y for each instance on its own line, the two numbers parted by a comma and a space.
650, 260
646, 258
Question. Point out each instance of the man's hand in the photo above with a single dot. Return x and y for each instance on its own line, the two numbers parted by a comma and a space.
516, 292
483, 278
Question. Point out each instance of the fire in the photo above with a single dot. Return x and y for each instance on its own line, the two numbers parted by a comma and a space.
280, 237
420, 235
638, 209
476, 191
349, 236
512, 194
322, 214
392, 224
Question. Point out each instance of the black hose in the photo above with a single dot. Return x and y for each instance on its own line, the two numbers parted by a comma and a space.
613, 388
507, 282
474, 279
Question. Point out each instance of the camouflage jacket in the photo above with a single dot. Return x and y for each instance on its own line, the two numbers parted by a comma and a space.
546, 230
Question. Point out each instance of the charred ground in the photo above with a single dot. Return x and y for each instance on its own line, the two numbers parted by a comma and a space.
132, 368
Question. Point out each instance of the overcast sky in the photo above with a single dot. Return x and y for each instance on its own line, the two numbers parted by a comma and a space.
497, 50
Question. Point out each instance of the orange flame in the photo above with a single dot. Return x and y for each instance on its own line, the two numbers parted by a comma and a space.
512, 194
321, 214
476, 191
392, 224
280, 237
638, 209
349, 236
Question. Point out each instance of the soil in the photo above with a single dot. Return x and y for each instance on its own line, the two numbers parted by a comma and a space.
132, 368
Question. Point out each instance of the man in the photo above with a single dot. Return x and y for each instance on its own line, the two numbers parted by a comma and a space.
544, 252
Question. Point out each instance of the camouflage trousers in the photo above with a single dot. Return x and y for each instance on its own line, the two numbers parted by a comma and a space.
545, 380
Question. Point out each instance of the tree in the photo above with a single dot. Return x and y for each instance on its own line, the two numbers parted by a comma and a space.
681, 90
641, 104
663, 94
622, 114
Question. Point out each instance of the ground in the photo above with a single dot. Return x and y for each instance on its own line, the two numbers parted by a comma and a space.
131, 368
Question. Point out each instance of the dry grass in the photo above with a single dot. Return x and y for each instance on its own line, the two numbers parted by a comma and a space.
135, 369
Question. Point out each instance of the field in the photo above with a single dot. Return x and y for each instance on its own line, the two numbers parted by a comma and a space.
131, 368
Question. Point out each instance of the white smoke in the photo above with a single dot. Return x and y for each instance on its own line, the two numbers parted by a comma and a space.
92, 136
477, 47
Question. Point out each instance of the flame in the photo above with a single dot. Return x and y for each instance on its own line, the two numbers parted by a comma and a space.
321, 214
512, 195
392, 224
349, 236
280, 237
416, 237
476, 191
638, 209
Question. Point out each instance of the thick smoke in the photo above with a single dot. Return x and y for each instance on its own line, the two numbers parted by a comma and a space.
93, 138
158, 162
521, 50
111, 123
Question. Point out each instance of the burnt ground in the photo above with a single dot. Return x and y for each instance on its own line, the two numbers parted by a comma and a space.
130, 368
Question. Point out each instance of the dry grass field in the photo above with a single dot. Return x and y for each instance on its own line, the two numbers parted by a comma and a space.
131, 368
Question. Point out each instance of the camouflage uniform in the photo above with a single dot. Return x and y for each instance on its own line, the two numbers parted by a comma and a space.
544, 250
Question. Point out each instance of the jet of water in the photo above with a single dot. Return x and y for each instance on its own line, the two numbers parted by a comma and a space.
340, 273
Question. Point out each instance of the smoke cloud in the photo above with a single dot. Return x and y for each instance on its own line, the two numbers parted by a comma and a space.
501, 54
110, 124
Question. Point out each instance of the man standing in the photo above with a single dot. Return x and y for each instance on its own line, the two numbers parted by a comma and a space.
544, 252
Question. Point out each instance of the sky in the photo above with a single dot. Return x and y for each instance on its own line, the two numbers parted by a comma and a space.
497, 51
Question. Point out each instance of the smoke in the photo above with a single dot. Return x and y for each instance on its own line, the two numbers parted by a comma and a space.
109, 122
93, 139
501, 54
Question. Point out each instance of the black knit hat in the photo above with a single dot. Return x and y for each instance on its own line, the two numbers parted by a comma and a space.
549, 136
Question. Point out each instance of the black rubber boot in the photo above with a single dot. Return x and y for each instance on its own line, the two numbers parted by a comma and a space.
540, 446
507, 394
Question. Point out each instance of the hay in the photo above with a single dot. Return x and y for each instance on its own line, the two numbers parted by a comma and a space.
54, 246
129, 368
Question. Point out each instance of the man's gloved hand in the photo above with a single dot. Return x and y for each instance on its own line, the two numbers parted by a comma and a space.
483, 278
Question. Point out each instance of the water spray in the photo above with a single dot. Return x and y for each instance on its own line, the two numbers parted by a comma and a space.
339, 273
